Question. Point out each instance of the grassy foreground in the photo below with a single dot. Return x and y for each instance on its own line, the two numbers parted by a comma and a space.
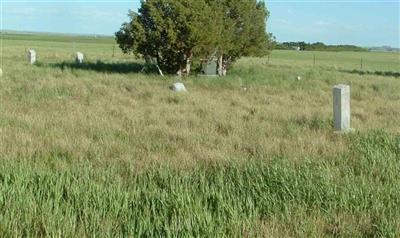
103, 150
354, 194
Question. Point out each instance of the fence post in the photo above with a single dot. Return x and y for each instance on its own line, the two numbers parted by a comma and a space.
314, 60
361, 63
113, 50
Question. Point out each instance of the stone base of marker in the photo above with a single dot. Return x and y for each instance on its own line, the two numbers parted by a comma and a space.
346, 131
341, 109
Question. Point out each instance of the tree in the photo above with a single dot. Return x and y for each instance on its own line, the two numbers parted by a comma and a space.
242, 30
175, 32
169, 31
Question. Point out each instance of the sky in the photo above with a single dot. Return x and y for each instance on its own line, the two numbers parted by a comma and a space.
358, 22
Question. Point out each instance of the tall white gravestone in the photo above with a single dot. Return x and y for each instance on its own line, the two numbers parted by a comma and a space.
79, 57
31, 56
341, 108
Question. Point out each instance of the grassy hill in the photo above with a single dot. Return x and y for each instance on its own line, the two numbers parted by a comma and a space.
101, 149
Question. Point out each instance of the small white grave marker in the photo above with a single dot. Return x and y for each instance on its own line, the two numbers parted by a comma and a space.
178, 87
1, 72
79, 57
31, 56
341, 108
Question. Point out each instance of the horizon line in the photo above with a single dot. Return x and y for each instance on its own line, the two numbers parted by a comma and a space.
109, 35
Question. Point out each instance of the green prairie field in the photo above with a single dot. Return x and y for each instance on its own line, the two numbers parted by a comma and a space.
361, 61
104, 150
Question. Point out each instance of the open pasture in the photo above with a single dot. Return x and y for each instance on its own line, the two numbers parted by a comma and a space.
101, 149
362, 61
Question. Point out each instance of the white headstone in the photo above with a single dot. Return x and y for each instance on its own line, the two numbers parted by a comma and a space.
1, 72
79, 57
178, 87
31, 56
341, 108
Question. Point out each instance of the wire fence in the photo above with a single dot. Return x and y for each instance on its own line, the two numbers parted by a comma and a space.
365, 61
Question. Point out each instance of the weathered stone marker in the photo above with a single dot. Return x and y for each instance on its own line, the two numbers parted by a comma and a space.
178, 87
79, 57
341, 108
31, 56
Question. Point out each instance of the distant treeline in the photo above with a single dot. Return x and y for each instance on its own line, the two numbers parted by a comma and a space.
318, 46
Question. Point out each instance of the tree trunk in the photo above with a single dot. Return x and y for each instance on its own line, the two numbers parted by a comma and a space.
156, 63
159, 70
225, 65
189, 58
221, 65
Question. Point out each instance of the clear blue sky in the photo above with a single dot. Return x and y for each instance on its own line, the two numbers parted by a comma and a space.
360, 22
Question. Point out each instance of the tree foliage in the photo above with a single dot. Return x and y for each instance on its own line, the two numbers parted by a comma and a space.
176, 32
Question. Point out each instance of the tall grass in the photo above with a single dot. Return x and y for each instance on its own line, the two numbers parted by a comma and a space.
354, 194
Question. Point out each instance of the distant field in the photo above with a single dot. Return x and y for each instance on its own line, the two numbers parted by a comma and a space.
57, 48
370, 61
58, 38
63, 47
101, 149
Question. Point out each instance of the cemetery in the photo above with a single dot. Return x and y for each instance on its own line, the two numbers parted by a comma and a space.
311, 142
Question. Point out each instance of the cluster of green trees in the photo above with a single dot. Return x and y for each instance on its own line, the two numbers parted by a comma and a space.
318, 46
175, 33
